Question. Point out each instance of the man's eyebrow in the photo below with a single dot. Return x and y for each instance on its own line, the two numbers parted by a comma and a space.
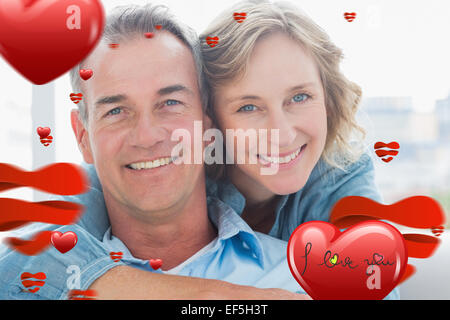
174, 88
110, 99
121, 97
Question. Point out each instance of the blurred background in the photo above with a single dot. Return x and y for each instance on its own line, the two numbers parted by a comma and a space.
397, 51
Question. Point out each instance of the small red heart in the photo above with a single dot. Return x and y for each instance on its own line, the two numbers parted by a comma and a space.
239, 16
76, 97
148, 35
33, 281
116, 256
350, 16
158, 27
212, 41
366, 261
85, 74
155, 263
43, 132
46, 142
64, 242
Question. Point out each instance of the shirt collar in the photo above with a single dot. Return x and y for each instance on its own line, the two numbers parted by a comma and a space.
228, 224
227, 192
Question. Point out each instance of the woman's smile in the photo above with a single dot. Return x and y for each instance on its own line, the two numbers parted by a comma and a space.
283, 160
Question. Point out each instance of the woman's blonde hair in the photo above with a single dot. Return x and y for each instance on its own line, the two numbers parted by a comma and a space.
228, 60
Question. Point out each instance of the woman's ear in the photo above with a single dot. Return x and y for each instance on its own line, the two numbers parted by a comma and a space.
82, 136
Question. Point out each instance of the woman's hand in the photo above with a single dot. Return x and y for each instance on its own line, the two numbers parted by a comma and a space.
128, 283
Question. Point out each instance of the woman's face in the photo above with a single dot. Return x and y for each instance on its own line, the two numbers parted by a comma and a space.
282, 90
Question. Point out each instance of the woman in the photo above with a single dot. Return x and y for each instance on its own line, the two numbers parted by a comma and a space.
278, 70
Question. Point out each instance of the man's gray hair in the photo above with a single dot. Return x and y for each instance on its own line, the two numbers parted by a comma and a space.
125, 22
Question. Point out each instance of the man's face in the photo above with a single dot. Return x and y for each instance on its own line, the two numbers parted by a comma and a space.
139, 93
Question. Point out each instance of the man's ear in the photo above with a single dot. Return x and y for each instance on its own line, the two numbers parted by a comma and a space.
82, 136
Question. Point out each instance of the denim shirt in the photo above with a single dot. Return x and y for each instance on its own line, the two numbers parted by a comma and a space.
325, 186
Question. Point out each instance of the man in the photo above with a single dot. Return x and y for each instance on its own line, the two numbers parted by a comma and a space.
140, 92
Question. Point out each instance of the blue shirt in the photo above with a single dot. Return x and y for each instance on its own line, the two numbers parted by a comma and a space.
325, 186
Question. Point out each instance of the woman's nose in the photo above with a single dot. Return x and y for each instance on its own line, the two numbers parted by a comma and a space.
287, 132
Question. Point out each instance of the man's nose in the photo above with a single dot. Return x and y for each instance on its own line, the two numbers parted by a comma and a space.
147, 132
284, 122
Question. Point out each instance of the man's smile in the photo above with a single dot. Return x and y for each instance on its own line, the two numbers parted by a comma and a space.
150, 164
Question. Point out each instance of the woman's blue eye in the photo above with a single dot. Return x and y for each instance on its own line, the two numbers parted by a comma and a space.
114, 111
246, 108
300, 97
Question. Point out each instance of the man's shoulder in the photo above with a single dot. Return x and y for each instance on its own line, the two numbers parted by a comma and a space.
94, 218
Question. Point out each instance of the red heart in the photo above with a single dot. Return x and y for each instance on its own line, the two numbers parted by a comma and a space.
158, 26
212, 41
30, 284
365, 261
239, 16
44, 39
43, 132
148, 35
155, 263
64, 242
116, 256
46, 141
350, 16
85, 74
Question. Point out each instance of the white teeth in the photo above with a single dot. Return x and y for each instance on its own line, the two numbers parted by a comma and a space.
281, 160
151, 164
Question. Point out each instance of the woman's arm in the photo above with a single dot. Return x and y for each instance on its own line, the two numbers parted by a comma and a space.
124, 282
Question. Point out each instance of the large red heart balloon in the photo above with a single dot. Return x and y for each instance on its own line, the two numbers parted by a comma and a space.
43, 39
365, 261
